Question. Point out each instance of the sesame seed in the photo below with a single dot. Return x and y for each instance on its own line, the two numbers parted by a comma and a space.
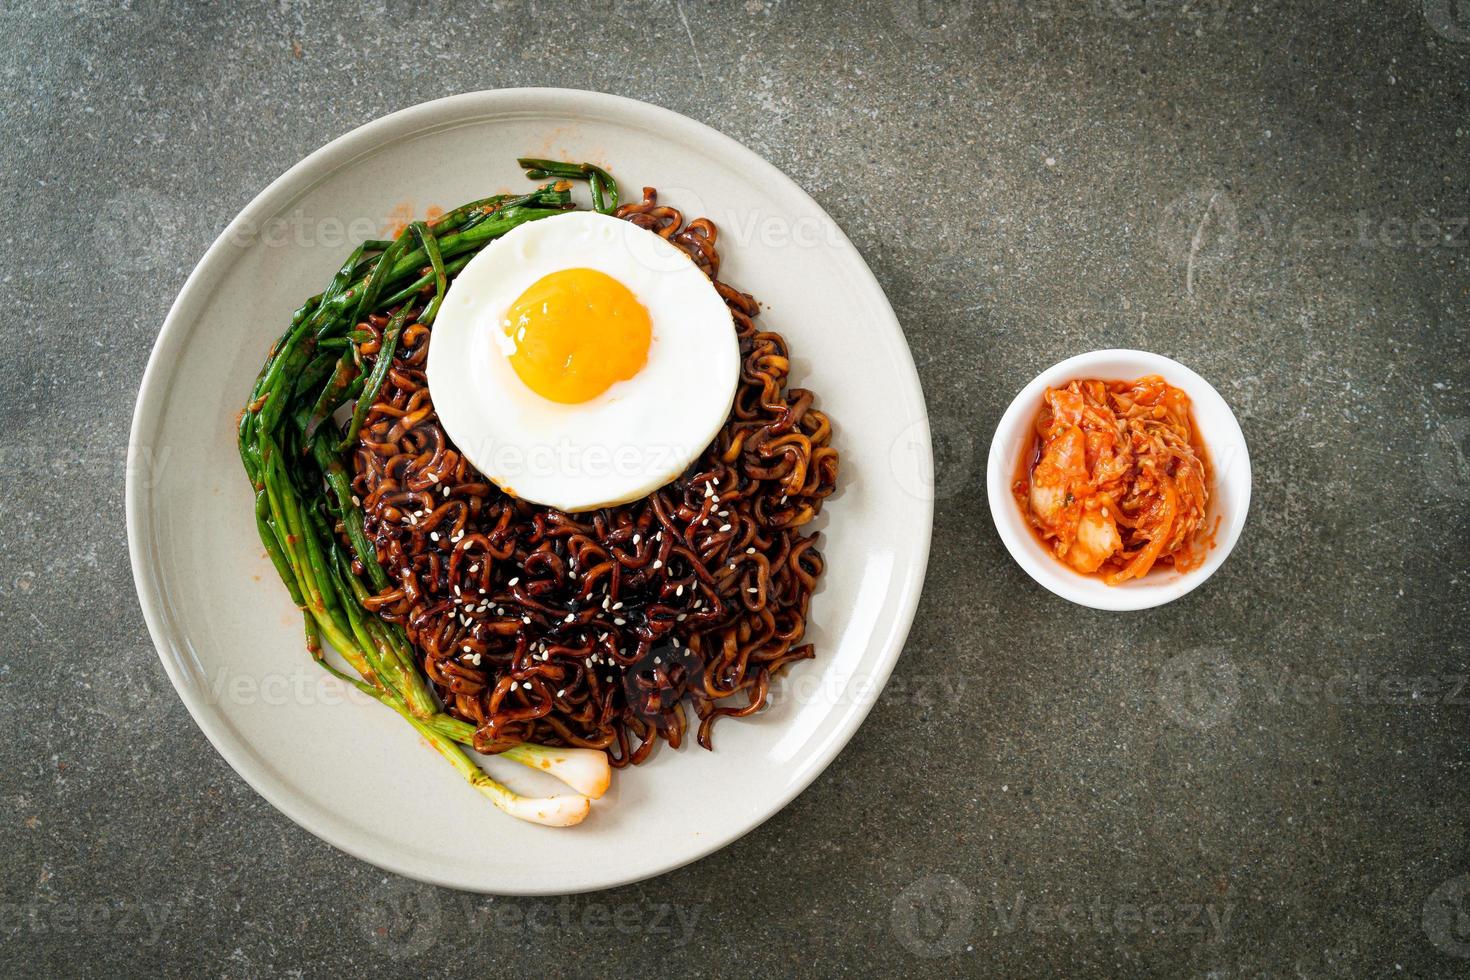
748, 551
724, 527
620, 622
617, 605
679, 590
475, 660
468, 648
752, 591
446, 491
434, 478
476, 568
637, 538
681, 617
355, 501
658, 565
561, 693
526, 620
514, 580
433, 535
658, 660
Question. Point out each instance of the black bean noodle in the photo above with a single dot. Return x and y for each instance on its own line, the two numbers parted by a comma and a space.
594, 629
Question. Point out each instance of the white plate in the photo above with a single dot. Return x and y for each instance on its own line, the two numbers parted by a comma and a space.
352, 772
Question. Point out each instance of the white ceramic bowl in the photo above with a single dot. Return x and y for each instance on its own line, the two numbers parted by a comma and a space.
1230, 494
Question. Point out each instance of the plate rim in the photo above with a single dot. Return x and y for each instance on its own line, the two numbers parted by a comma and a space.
215, 263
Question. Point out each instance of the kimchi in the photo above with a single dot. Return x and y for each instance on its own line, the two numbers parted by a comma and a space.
1116, 480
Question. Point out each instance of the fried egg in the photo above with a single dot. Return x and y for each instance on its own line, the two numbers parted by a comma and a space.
581, 361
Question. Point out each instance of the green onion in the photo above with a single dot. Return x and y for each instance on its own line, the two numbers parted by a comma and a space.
290, 448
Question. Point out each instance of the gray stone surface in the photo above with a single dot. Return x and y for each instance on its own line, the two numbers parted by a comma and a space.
1265, 778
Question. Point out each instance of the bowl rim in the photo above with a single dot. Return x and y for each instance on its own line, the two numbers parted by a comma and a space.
1222, 432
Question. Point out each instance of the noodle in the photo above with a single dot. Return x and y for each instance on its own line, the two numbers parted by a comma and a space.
593, 629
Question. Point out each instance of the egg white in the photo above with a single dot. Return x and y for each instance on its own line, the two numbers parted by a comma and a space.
633, 438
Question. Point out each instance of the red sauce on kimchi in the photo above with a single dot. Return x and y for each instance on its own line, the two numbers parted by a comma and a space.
1116, 481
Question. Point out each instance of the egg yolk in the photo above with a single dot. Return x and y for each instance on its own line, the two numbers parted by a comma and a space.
576, 333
